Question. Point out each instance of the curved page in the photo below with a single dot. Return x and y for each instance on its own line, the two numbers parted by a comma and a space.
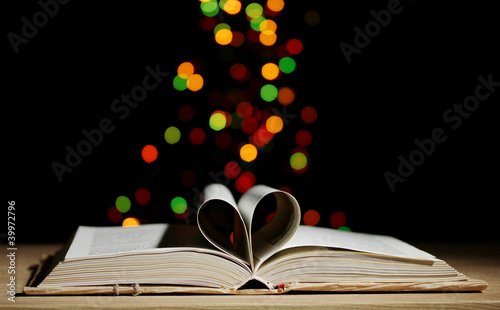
271, 236
221, 223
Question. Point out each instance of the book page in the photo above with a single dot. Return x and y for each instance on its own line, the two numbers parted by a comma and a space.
89, 241
274, 234
221, 223
333, 238
376, 244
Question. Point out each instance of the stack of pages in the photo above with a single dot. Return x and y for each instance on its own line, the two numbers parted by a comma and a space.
233, 251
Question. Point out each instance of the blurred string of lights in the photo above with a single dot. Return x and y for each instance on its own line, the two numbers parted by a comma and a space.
248, 110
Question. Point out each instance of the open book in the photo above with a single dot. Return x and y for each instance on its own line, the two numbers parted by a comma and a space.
233, 251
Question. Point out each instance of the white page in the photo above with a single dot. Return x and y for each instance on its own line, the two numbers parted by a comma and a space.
272, 236
89, 241
109, 240
333, 238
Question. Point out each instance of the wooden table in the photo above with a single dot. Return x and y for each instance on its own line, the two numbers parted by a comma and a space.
479, 261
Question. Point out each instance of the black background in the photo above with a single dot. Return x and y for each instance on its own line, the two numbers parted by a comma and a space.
370, 112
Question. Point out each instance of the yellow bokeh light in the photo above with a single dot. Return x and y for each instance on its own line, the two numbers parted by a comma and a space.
185, 70
130, 222
268, 24
224, 36
270, 71
275, 5
298, 161
218, 120
248, 152
195, 82
232, 7
268, 37
274, 124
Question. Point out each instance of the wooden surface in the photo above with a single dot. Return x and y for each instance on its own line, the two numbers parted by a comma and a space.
479, 261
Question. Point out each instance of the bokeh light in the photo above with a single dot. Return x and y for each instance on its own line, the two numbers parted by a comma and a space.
179, 83
298, 161
123, 204
232, 170
256, 22
268, 38
337, 220
275, 5
239, 72
311, 218
130, 222
269, 92
254, 10
238, 39
257, 58
185, 70
262, 136
217, 120
178, 205
172, 135
249, 125
195, 82
245, 182
312, 18
149, 153
224, 36
303, 137
248, 152
114, 215
207, 23
287, 65
309, 115
209, 8
274, 124
231, 7
142, 196
268, 24
244, 109
294, 46
197, 136
286, 95
270, 71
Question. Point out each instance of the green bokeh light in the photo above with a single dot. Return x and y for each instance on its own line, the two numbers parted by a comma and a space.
298, 161
180, 83
254, 10
210, 8
287, 65
217, 121
179, 205
123, 204
172, 135
269, 92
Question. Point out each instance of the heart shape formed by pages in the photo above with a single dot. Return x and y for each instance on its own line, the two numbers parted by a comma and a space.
243, 229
